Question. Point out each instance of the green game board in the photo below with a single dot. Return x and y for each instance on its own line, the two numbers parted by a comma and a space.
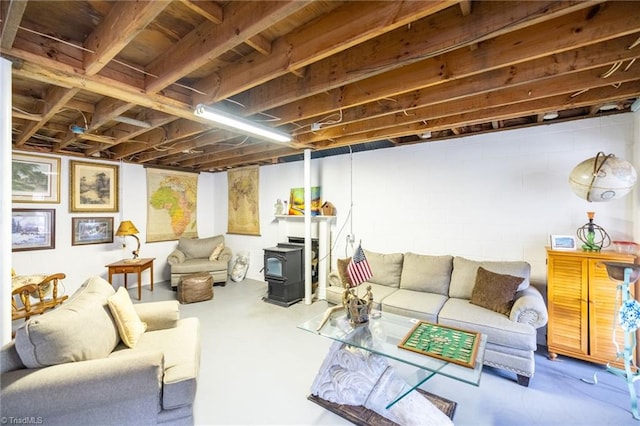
443, 342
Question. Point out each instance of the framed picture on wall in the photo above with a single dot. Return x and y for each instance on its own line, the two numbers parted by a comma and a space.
33, 229
563, 242
94, 187
35, 179
91, 230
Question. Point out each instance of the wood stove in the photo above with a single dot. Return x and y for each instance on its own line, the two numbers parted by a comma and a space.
299, 242
284, 275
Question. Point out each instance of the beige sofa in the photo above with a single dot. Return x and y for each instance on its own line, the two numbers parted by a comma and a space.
439, 288
193, 255
69, 365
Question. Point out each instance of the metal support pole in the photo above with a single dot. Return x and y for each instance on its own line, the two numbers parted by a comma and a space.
308, 290
5, 196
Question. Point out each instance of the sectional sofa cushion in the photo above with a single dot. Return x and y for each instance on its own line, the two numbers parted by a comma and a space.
80, 329
180, 347
386, 268
499, 329
414, 304
463, 277
426, 273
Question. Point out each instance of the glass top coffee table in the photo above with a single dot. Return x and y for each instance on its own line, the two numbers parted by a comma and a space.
381, 336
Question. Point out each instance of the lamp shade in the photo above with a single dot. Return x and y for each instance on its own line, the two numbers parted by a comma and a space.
126, 228
603, 178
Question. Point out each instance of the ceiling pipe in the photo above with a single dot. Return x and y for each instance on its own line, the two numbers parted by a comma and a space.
132, 121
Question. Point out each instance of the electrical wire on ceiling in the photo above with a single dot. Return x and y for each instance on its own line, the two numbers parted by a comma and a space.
630, 63
84, 117
614, 67
164, 149
242, 142
124, 64
233, 101
144, 72
272, 118
325, 121
25, 112
45, 138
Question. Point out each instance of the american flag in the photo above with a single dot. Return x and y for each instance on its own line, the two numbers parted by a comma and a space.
358, 269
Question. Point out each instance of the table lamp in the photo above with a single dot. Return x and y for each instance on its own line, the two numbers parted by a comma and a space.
127, 228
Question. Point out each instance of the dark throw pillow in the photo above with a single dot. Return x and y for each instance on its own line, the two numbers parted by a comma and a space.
495, 291
342, 271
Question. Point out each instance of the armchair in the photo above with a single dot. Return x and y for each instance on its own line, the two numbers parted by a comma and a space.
193, 255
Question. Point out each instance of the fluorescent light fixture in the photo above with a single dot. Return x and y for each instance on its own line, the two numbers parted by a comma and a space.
635, 106
238, 123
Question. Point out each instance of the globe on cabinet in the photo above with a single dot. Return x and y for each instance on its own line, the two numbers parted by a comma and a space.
603, 178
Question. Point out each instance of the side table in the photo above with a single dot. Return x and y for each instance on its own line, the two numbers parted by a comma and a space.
129, 266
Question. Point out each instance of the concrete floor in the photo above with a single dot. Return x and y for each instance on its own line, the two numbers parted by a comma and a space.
257, 368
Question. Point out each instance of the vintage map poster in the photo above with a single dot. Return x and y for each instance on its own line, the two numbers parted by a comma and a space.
171, 208
244, 217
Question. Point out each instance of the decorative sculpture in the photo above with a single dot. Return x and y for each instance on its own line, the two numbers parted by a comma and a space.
594, 237
356, 377
628, 316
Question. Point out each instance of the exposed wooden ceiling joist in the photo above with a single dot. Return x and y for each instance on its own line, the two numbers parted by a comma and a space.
331, 73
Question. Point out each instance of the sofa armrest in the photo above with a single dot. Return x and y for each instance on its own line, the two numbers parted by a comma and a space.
85, 387
175, 257
226, 254
334, 279
529, 308
158, 315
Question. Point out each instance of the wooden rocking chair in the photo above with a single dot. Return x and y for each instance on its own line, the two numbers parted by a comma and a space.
27, 308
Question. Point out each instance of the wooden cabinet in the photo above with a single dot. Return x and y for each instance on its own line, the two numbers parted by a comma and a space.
583, 306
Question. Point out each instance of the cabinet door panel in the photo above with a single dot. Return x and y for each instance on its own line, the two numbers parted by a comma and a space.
604, 305
567, 299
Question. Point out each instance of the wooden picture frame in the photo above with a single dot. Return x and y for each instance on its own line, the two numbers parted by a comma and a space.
447, 343
33, 229
35, 179
297, 202
93, 187
563, 242
91, 230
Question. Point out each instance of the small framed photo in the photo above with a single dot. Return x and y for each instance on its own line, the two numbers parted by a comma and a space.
91, 230
94, 187
563, 242
33, 229
35, 179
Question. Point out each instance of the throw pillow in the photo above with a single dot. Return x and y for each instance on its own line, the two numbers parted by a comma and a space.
216, 252
129, 325
495, 291
342, 271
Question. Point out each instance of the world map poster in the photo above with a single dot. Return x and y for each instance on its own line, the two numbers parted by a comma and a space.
171, 207
244, 217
